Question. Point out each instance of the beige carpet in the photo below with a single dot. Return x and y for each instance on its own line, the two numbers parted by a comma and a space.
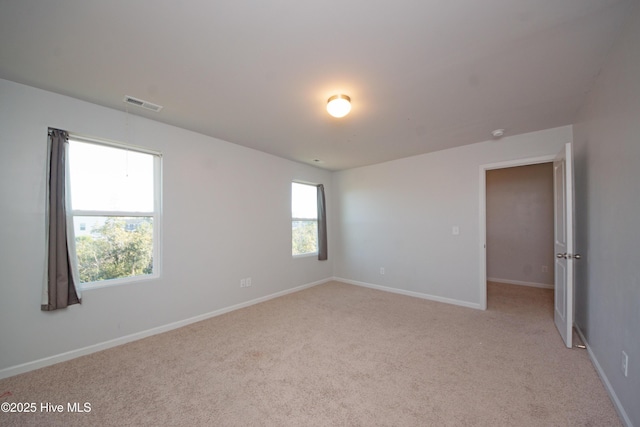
332, 355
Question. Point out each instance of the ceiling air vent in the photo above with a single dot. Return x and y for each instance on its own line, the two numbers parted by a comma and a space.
141, 103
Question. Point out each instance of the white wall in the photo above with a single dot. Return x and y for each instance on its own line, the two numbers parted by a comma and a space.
399, 215
227, 214
520, 225
607, 156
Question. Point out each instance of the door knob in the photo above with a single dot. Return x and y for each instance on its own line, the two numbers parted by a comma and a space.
559, 255
577, 256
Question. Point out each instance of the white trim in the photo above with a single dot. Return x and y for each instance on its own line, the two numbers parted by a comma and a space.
612, 394
482, 215
113, 144
88, 286
309, 183
520, 162
62, 357
133, 214
482, 237
521, 283
305, 255
409, 293
158, 232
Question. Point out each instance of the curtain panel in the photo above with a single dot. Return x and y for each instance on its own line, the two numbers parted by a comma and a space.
322, 225
60, 287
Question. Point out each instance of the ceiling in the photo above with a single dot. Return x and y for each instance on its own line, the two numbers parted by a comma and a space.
423, 75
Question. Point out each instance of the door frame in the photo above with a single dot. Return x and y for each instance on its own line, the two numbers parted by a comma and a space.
483, 213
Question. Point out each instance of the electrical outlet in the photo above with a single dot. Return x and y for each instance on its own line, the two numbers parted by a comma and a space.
248, 281
382, 270
625, 364
243, 283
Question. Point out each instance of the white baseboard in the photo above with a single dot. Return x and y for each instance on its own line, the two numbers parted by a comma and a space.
612, 394
409, 293
52, 360
520, 283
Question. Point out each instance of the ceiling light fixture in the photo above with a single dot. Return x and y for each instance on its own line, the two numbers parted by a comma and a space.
339, 105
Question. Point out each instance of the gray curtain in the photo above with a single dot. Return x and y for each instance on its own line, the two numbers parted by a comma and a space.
59, 289
322, 225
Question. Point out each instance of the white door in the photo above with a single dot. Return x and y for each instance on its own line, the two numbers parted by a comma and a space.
563, 191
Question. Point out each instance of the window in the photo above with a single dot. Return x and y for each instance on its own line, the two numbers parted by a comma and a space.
114, 205
304, 219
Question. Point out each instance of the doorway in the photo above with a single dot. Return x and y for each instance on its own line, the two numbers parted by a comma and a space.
524, 272
520, 229
520, 237
563, 236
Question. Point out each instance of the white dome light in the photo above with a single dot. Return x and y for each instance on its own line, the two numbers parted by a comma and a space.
339, 105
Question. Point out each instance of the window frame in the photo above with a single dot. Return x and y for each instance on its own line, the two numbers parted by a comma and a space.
294, 219
156, 215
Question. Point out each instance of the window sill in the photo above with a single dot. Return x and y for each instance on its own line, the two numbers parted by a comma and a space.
309, 255
116, 282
